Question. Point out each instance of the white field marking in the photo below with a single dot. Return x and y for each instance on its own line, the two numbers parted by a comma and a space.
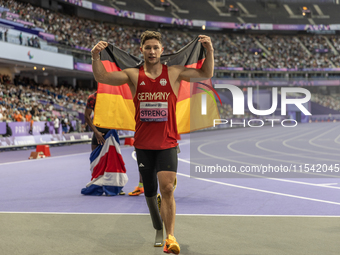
242, 162
251, 155
261, 190
279, 160
180, 214
321, 146
184, 142
336, 139
296, 148
328, 184
46, 158
75, 213
293, 147
133, 155
274, 179
262, 157
296, 155
253, 189
280, 152
235, 136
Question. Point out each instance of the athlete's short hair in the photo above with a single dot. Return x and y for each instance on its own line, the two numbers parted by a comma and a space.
147, 35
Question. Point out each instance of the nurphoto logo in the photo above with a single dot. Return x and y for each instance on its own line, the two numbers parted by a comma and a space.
239, 102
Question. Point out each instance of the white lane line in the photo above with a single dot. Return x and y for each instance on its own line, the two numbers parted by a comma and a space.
262, 157
247, 188
318, 152
179, 214
283, 153
327, 184
43, 159
280, 152
251, 155
54, 157
321, 146
273, 179
261, 190
336, 139
184, 142
296, 155
74, 213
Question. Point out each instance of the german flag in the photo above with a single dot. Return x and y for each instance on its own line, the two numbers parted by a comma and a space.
114, 106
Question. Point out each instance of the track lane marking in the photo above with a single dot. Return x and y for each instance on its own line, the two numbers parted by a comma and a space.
247, 188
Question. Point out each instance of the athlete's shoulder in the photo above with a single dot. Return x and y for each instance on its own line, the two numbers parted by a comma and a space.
92, 96
176, 68
91, 101
131, 70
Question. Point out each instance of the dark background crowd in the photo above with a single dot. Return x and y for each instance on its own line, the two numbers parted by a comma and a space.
231, 49
24, 100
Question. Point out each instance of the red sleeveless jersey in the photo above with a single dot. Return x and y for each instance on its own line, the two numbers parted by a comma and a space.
155, 103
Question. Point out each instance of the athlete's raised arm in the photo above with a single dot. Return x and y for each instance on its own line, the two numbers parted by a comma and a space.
99, 72
207, 69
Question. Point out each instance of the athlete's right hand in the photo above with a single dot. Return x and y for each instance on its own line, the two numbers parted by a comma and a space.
99, 47
99, 137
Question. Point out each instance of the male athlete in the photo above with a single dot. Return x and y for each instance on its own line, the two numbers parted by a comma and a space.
156, 128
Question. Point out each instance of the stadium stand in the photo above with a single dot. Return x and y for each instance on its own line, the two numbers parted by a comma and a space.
232, 50
251, 51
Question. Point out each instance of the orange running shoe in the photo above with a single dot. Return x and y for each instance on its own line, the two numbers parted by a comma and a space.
171, 245
137, 191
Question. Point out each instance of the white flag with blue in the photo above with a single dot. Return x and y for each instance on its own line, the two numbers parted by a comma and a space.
107, 168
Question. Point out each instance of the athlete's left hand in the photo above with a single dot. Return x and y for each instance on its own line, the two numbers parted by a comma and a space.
100, 138
206, 42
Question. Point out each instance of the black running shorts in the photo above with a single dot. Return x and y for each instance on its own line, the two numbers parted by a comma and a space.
159, 160
150, 162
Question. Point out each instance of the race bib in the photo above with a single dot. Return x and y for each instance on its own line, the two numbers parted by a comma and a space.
153, 111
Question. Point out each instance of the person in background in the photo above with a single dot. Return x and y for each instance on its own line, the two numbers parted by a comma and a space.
64, 122
99, 133
8, 130
28, 116
42, 116
34, 110
46, 130
31, 127
1, 116
56, 125
70, 127
20, 38
36, 118
18, 116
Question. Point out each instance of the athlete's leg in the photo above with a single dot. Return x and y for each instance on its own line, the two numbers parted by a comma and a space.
94, 142
166, 166
146, 165
140, 180
168, 208
138, 189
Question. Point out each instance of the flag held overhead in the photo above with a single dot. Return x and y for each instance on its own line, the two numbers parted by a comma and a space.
115, 109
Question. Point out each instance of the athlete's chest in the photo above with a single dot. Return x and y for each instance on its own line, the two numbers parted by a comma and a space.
159, 84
